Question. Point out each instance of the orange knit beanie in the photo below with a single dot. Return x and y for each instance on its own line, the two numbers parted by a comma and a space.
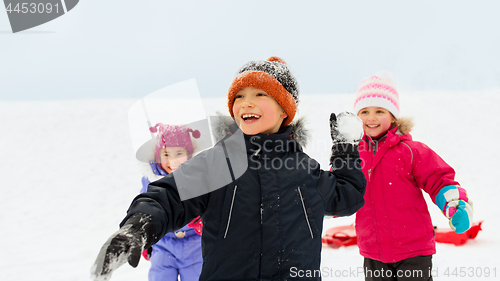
271, 76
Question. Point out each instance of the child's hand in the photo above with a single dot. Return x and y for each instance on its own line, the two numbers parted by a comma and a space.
346, 128
460, 214
456, 206
197, 225
146, 254
124, 245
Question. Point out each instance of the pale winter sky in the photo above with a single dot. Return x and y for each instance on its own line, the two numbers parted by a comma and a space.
128, 49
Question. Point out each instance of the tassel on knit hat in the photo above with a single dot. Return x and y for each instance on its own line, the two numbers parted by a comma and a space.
378, 90
271, 76
173, 136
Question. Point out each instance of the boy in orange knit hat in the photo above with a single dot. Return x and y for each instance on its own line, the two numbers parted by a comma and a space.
266, 223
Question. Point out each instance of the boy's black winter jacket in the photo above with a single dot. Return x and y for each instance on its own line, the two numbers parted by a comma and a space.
267, 224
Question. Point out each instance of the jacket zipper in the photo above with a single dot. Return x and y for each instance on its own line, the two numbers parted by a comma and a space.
374, 148
230, 211
305, 212
261, 211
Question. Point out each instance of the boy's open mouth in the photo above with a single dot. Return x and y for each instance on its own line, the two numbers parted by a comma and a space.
250, 116
372, 126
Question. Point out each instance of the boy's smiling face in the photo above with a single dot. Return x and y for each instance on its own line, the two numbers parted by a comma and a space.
376, 120
255, 111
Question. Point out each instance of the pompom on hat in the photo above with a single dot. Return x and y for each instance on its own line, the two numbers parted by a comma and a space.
272, 76
378, 90
173, 136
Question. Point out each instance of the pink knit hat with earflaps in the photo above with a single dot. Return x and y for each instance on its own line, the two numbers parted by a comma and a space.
378, 90
173, 136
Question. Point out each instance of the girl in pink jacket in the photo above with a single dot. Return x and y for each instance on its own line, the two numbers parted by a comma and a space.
394, 228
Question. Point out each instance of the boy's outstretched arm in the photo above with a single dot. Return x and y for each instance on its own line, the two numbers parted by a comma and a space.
150, 216
344, 187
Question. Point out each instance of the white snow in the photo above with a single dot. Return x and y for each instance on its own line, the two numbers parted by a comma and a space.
69, 175
350, 126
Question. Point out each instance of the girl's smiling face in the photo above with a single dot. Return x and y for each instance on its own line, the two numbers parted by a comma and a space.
376, 120
172, 157
255, 111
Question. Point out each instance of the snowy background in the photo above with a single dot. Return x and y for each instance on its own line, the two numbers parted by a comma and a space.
127, 49
69, 175
68, 171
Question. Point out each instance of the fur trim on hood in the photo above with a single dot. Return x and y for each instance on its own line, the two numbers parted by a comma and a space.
405, 124
146, 171
222, 125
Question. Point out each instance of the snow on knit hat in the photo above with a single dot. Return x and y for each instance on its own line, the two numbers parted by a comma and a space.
173, 136
271, 76
378, 90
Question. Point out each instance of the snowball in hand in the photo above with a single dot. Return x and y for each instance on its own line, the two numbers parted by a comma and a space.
350, 126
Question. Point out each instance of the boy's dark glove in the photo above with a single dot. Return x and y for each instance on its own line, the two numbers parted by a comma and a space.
137, 234
346, 130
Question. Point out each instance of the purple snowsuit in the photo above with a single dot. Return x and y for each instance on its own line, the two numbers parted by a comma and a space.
174, 256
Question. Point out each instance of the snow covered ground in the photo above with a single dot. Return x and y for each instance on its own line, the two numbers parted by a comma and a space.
69, 174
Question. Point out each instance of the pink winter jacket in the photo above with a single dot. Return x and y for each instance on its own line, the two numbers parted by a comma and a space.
394, 224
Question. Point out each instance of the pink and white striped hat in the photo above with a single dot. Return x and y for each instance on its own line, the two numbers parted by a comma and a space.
378, 90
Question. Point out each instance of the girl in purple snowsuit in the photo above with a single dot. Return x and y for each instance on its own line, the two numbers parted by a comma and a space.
179, 252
